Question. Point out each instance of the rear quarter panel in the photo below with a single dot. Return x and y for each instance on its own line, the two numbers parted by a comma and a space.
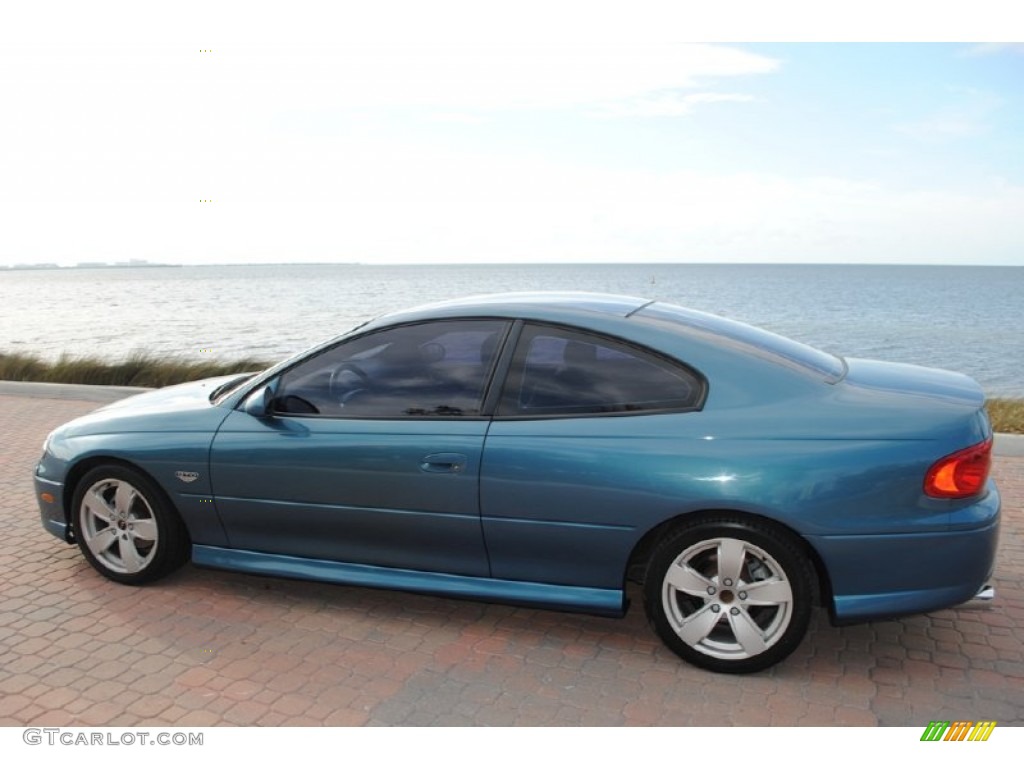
566, 500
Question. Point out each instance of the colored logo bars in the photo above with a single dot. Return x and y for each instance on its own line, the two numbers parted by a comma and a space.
959, 730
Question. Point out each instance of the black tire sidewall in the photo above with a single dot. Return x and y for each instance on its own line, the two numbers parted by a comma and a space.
782, 549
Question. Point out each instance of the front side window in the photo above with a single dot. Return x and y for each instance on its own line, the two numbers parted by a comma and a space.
437, 369
564, 372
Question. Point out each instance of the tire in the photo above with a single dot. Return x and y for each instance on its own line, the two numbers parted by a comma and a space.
126, 527
743, 617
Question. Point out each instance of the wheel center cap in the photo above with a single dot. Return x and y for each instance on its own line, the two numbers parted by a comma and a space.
726, 596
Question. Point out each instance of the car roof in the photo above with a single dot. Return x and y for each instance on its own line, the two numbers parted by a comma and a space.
533, 304
571, 307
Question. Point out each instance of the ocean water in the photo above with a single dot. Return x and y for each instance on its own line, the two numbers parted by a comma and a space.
969, 319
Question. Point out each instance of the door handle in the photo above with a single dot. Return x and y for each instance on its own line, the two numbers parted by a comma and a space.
452, 463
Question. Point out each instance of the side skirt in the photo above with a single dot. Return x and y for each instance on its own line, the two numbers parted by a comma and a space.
601, 602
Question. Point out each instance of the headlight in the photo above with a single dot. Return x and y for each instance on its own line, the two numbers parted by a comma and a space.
46, 443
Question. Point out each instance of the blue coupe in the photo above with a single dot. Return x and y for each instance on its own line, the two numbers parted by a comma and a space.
545, 449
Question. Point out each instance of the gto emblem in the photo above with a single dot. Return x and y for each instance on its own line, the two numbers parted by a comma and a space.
187, 477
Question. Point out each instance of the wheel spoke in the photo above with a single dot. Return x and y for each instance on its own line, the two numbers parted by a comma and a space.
747, 633
686, 579
771, 592
731, 554
699, 625
102, 541
144, 529
99, 508
130, 556
123, 498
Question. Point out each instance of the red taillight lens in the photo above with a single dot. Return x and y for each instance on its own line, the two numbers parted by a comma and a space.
960, 474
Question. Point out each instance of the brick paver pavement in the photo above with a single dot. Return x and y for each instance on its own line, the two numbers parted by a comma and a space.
206, 647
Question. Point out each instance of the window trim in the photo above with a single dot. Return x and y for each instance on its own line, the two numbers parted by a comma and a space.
512, 351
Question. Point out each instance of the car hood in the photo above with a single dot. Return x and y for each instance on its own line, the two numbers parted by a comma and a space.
180, 408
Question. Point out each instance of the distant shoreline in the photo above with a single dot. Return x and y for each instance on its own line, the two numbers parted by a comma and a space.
149, 264
118, 265
485, 265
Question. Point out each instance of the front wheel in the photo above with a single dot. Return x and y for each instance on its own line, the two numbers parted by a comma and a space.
125, 526
728, 595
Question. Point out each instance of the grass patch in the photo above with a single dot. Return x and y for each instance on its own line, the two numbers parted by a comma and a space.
141, 370
137, 370
1006, 415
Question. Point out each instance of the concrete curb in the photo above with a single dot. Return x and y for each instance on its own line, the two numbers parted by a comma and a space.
1005, 444
1009, 445
87, 392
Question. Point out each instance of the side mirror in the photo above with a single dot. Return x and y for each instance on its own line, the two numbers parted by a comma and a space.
258, 402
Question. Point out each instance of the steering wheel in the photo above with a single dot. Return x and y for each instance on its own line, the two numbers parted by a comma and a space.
341, 391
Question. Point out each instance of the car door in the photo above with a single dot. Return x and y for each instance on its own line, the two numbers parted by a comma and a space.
370, 452
583, 455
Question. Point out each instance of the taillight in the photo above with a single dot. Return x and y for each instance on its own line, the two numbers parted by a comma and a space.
960, 474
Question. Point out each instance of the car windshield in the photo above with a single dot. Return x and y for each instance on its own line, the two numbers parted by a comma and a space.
830, 367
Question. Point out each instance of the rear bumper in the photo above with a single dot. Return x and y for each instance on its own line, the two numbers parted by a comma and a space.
882, 576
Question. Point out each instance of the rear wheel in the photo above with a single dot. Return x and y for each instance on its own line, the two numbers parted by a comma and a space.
125, 526
729, 595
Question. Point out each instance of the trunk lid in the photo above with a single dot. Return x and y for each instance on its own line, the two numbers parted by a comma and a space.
915, 381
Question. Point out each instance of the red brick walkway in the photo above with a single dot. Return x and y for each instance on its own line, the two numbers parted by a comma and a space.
207, 648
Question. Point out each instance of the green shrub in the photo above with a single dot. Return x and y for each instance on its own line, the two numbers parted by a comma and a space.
137, 370
1007, 415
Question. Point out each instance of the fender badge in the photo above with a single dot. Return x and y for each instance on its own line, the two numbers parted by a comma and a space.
187, 477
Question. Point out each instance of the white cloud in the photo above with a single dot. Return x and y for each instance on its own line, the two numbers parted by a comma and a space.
104, 23
670, 104
473, 77
943, 126
969, 114
176, 124
992, 49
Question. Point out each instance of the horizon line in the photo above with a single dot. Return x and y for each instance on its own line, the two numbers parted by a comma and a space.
142, 264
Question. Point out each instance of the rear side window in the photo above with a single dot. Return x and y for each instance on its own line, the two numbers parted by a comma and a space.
758, 340
563, 372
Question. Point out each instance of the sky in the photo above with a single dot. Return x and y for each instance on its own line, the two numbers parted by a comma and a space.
500, 132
